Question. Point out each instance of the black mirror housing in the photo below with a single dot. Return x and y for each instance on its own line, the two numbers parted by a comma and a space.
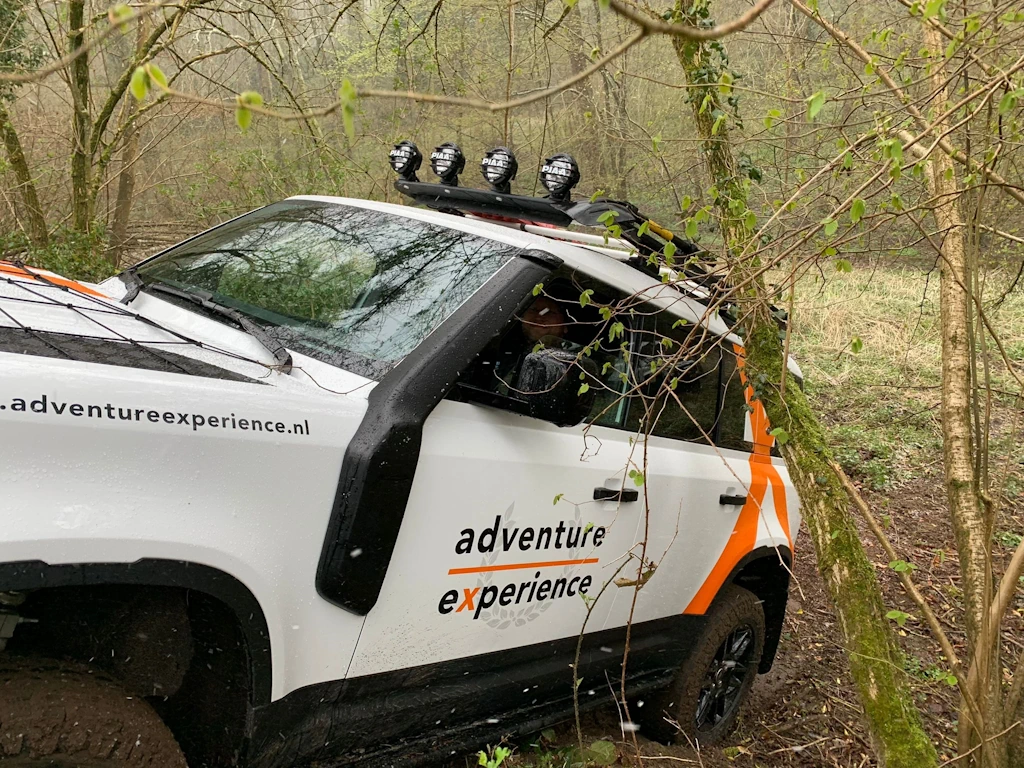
550, 390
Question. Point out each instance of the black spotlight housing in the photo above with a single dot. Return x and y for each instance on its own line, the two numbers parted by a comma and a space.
405, 158
499, 167
447, 161
559, 175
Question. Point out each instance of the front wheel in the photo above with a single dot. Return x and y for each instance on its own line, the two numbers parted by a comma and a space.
711, 685
66, 715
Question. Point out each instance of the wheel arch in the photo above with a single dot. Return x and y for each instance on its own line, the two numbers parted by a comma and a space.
34, 575
765, 571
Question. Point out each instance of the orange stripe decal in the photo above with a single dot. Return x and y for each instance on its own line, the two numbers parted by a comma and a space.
519, 566
762, 474
11, 269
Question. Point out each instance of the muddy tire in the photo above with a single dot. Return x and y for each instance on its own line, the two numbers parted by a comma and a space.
712, 684
67, 715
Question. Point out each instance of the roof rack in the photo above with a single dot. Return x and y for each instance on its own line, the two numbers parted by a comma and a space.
537, 214
637, 237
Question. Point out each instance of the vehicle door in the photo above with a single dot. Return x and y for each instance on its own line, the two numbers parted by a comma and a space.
709, 495
514, 524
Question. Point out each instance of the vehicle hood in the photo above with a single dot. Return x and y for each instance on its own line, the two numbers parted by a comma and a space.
46, 315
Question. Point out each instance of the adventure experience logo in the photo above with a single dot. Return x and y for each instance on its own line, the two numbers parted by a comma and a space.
542, 587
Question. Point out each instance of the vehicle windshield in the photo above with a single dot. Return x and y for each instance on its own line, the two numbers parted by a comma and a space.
356, 288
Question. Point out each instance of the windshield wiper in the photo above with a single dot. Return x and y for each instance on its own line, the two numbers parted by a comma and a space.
205, 300
133, 283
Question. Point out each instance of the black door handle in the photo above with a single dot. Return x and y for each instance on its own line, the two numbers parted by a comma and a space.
607, 494
732, 501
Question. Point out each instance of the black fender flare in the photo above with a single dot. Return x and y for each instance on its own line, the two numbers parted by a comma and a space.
750, 573
29, 575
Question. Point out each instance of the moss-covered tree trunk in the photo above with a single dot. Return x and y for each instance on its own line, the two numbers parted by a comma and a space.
31, 212
892, 717
81, 157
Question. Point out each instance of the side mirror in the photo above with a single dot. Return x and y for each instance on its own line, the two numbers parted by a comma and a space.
550, 390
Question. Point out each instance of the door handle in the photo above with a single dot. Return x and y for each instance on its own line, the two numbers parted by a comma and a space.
732, 501
607, 494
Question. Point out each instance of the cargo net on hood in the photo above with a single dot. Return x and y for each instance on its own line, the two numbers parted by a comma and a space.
45, 315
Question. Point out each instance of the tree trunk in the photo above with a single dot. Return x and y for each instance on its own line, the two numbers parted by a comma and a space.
892, 717
81, 158
129, 157
972, 520
31, 212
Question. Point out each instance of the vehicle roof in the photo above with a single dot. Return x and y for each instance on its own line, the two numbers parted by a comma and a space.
595, 263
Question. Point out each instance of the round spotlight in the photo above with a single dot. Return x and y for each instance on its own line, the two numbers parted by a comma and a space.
447, 161
559, 175
405, 158
499, 168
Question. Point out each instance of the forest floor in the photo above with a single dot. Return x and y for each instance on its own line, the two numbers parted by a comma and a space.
880, 406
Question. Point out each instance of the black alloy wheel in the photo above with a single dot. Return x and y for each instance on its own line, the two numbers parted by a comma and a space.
703, 701
720, 695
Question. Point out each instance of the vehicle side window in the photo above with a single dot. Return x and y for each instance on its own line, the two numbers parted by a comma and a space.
557, 319
677, 368
733, 421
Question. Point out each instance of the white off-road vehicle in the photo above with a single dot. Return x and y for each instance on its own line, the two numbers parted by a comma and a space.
340, 481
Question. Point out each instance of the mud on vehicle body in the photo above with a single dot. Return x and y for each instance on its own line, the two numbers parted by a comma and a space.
282, 494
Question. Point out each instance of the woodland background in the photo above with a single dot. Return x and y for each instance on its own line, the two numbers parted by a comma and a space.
92, 179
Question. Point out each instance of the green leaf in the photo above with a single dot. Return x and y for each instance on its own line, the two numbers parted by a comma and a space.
347, 97
771, 117
831, 226
934, 8
602, 753
670, 251
139, 84
902, 566
119, 14
814, 105
642, 229
538, 288
638, 477
250, 99
596, 195
847, 161
243, 117
687, 201
781, 436
857, 210
856, 345
842, 265
1009, 100
656, 143
558, 498
898, 616
691, 228
156, 75
585, 297
750, 220
481, 757
584, 388
717, 125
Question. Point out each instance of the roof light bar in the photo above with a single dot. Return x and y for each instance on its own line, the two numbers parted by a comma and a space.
559, 175
447, 161
405, 158
499, 167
